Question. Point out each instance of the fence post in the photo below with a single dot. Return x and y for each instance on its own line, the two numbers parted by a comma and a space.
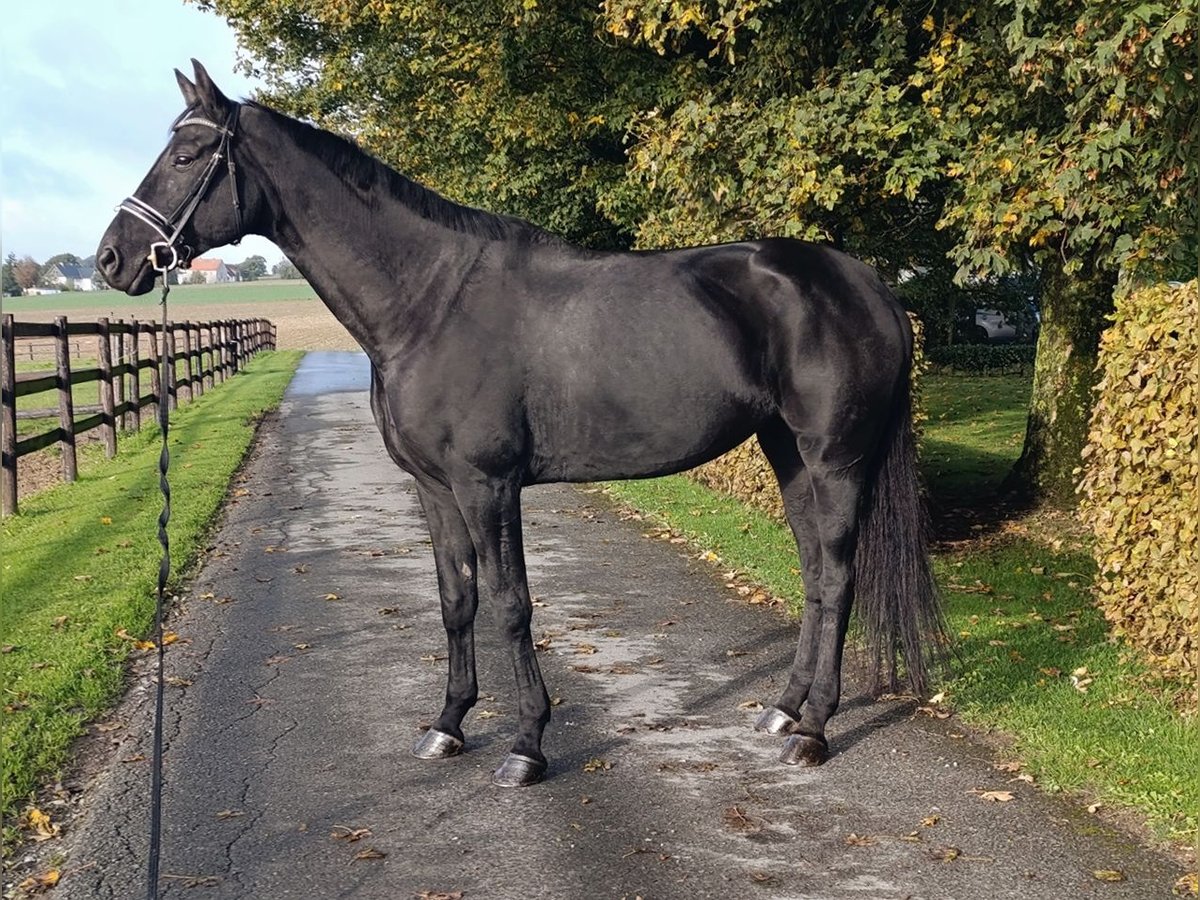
66, 404
120, 379
198, 355
234, 328
155, 377
210, 375
8, 421
171, 388
135, 377
108, 409
187, 361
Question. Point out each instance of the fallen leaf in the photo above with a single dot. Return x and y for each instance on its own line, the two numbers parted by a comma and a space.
332, 596
1012, 766
1109, 875
369, 853
61, 621
348, 834
931, 820
41, 826
996, 796
438, 895
36, 884
136, 758
230, 814
1187, 886
585, 649
750, 704
859, 840
106, 520
946, 854
302, 646
596, 764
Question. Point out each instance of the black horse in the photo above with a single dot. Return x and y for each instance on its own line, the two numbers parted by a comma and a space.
503, 356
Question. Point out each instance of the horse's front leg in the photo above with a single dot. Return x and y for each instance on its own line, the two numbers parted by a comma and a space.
454, 555
492, 510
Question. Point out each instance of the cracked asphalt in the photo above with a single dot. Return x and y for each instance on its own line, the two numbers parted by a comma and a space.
312, 651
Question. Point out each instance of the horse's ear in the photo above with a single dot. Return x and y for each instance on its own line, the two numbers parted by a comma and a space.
190, 97
209, 95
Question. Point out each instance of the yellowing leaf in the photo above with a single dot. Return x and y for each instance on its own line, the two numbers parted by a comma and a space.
1109, 875
996, 796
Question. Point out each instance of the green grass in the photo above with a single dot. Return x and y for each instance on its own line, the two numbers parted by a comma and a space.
183, 295
1021, 615
80, 563
975, 430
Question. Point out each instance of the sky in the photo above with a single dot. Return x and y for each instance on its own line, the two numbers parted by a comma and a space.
87, 94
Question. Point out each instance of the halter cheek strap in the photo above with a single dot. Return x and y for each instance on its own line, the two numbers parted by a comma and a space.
167, 254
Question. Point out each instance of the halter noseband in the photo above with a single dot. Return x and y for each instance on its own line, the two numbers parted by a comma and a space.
170, 227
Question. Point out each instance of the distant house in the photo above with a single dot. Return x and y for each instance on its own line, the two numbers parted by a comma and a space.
235, 274
214, 270
69, 275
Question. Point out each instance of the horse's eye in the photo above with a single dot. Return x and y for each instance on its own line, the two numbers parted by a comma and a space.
182, 161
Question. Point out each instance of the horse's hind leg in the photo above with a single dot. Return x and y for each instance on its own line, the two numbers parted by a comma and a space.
837, 488
491, 508
454, 555
795, 486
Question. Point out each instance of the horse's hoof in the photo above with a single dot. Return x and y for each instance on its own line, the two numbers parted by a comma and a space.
437, 745
804, 750
519, 771
775, 721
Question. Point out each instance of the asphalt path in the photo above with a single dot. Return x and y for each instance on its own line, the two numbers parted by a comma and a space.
311, 652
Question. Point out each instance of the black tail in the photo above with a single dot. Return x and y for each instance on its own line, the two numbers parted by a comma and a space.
895, 594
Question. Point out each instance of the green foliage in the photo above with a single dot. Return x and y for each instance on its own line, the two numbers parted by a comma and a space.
252, 268
81, 561
1140, 476
983, 358
285, 269
10, 285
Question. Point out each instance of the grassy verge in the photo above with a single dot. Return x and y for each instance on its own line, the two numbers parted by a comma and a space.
80, 564
1035, 662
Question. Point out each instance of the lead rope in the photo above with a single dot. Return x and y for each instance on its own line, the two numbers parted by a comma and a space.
164, 570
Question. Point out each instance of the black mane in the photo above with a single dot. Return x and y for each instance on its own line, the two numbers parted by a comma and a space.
361, 171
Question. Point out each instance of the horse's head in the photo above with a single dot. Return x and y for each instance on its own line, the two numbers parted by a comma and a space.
191, 199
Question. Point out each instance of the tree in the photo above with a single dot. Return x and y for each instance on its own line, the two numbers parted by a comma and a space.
253, 267
1050, 139
26, 271
285, 269
11, 287
68, 258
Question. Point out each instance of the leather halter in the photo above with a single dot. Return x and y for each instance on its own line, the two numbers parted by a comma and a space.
170, 227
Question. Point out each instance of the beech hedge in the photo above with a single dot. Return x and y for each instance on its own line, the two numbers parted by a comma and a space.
1139, 477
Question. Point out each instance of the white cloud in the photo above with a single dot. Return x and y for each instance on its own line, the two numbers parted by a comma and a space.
88, 94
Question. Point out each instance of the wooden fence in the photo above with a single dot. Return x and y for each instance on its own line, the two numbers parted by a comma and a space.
207, 352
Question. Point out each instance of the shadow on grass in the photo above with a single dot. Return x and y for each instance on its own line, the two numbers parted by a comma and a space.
965, 489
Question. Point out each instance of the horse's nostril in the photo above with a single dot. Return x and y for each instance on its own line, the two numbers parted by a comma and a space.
109, 260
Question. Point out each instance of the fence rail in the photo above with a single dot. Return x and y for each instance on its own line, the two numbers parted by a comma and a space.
211, 352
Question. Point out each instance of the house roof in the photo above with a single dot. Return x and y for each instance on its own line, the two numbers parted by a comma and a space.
206, 265
70, 270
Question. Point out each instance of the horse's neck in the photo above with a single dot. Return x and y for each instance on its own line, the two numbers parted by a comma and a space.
376, 263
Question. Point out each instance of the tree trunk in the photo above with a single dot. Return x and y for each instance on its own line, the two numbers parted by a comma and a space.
1075, 310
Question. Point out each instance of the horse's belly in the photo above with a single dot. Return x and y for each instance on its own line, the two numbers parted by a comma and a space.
598, 441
